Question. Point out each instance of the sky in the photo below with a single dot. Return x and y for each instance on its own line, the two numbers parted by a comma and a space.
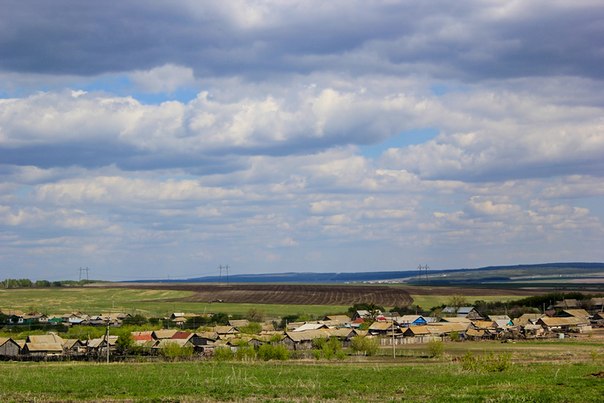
148, 139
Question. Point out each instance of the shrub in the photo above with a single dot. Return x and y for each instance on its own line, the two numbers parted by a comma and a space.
436, 348
364, 345
251, 328
175, 352
487, 363
223, 354
273, 352
327, 349
245, 353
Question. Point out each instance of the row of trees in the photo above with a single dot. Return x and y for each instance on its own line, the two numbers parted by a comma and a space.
27, 283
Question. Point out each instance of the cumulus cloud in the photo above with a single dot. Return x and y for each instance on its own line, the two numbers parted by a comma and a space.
166, 78
266, 161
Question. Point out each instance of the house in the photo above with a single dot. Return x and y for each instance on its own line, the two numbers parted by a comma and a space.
419, 334
365, 314
343, 334
76, 318
35, 317
502, 320
164, 334
463, 312
45, 339
527, 318
446, 329
567, 304
557, 324
239, 323
310, 326
99, 346
42, 349
303, 340
410, 320
74, 347
336, 320
597, 304
598, 319
384, 329
9, 348
455, 319
531, 331
476, 334
143, 339
225, 331
575, 313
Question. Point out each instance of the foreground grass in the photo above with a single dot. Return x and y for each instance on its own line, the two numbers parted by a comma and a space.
297, 381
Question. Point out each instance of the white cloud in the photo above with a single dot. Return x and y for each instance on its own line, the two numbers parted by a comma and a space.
167, 78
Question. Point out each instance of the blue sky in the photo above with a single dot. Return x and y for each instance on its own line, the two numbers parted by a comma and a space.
156, 139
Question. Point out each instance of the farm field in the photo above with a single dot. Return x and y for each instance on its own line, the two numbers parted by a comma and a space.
160, 300
288, 294
356, 379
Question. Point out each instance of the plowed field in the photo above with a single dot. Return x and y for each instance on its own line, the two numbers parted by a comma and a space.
295, 294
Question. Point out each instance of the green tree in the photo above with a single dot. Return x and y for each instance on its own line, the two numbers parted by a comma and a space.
175, 352
137, 320
254, 315
365, 345
125, 343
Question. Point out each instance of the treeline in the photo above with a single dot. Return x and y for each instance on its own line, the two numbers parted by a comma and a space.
27, 283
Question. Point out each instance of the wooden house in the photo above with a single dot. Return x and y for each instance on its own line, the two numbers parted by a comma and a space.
303, 340
410, 320
9, 348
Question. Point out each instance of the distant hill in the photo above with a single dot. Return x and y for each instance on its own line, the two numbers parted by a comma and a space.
528, 274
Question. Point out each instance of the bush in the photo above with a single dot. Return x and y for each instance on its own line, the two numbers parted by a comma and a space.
273, 352
327, 349
364, 345
487, 363
223, 354
251, 328
245, 353
436, 349
175, 352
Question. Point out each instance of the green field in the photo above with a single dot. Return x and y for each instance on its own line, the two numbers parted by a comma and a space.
299, 381
157, 303
160, 303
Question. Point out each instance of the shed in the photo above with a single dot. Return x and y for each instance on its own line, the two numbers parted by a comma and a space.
9, 347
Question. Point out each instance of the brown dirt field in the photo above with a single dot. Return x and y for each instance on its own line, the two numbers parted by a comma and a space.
474, 291
285, 294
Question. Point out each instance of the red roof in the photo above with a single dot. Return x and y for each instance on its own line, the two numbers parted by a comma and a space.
142, 337
181, 335
359, 320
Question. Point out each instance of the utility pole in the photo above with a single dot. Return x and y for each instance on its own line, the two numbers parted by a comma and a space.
107, 339
393, 345
227, 273
220, 278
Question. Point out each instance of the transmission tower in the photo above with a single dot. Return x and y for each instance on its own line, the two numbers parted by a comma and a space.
82, 270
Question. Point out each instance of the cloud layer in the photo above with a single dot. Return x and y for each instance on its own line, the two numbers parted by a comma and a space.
154, 140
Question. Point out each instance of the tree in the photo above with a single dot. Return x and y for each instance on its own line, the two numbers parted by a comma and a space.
220, 318
364, 345
457, 301
255, 315
125, 343
137, 320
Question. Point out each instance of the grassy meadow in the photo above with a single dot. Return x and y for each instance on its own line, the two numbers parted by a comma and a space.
156, 303
434, 380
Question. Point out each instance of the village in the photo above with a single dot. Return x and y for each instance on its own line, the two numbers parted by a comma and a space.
456, 324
